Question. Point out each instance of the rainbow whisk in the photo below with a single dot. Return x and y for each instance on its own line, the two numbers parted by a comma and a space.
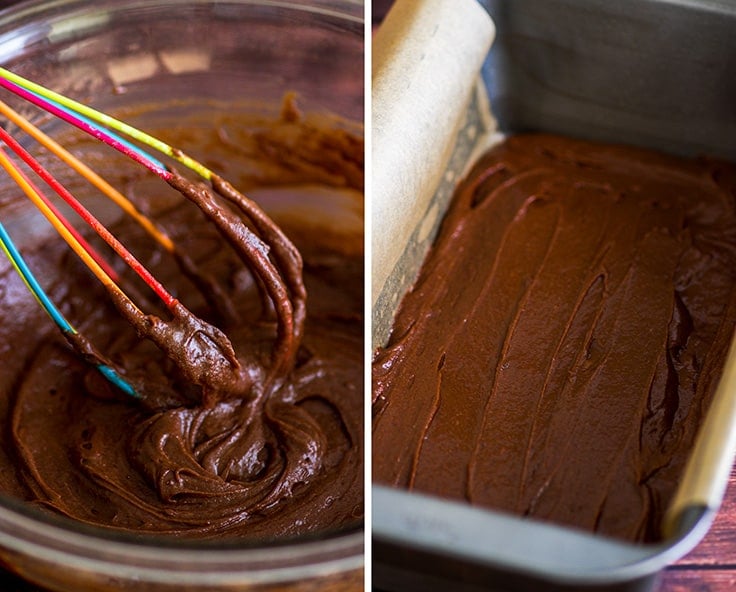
203, 352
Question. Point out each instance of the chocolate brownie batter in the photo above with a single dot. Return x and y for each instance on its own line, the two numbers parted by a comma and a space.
250, 421
565, 335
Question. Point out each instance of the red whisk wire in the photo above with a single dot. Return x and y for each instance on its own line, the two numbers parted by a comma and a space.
90, 219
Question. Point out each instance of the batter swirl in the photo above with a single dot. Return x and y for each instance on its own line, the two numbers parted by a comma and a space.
278, 450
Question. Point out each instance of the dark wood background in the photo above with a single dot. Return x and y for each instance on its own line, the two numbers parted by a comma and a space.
711, 566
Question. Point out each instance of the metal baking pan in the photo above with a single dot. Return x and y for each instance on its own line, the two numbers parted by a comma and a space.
654, 73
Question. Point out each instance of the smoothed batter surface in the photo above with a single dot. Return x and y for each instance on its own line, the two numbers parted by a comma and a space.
565, 335
179, 463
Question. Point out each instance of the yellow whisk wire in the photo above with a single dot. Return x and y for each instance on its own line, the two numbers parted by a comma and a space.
108, 121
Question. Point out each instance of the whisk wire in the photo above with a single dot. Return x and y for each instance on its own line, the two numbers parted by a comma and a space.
14, 171
70, 116
87, 216
43, 206
202, 352
96, 180
21, 267
15, 80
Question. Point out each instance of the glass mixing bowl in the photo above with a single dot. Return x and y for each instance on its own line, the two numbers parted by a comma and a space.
122, 53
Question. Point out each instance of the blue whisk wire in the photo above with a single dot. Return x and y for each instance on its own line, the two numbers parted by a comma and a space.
21, 267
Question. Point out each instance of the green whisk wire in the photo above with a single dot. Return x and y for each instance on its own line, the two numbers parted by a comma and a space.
110, 122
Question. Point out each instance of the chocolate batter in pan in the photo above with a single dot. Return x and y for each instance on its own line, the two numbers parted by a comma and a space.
565, 335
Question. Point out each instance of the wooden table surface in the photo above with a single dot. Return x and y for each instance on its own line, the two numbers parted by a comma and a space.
711, 566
